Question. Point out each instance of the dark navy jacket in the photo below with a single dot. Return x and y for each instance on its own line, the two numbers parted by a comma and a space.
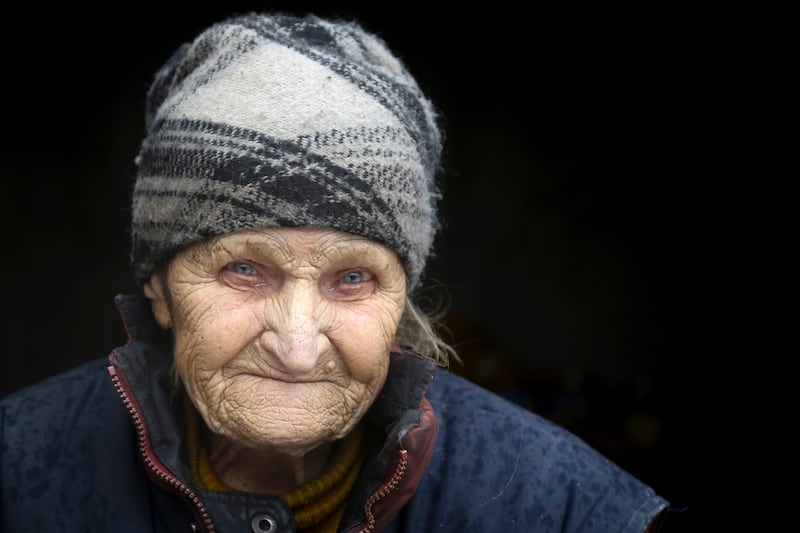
99, 449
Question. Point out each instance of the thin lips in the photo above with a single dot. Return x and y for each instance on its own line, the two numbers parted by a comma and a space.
287, 378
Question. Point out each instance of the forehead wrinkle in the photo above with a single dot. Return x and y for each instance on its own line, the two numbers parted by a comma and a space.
250, 246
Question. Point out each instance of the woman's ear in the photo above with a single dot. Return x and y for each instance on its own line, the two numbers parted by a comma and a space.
156, 292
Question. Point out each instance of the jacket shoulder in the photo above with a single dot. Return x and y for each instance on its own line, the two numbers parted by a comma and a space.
67, 445
499, 466
58, 412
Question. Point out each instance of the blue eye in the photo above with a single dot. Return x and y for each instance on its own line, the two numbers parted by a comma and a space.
243, 269
353, 277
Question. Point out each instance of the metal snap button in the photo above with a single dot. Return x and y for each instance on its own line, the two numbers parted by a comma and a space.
263, 523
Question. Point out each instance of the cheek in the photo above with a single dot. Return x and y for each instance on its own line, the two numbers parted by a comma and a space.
364, 337
208, 336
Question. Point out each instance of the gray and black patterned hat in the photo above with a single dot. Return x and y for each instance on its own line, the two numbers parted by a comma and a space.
278, 120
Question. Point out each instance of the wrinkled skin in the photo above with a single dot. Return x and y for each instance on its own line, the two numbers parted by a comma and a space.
282, 338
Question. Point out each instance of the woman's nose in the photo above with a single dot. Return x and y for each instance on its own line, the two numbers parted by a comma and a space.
294, 332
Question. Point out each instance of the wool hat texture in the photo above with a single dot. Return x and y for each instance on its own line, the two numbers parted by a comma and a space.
269, 120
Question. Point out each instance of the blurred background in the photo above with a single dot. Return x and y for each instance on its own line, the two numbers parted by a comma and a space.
617, 243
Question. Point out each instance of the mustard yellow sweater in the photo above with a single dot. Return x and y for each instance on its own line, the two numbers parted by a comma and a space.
318, 505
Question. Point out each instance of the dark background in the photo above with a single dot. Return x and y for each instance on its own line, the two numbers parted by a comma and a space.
617, 242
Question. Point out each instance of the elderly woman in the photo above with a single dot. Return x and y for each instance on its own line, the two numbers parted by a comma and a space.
278, 378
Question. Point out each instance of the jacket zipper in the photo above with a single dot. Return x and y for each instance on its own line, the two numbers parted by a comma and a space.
150, 460
385, 490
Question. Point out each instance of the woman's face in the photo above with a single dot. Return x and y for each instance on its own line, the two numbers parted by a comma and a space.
282, 335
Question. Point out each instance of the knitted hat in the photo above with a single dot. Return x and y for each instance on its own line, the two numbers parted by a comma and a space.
279, 120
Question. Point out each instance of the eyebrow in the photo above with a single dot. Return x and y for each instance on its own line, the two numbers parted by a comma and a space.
264, 244
358, 248
250, 245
